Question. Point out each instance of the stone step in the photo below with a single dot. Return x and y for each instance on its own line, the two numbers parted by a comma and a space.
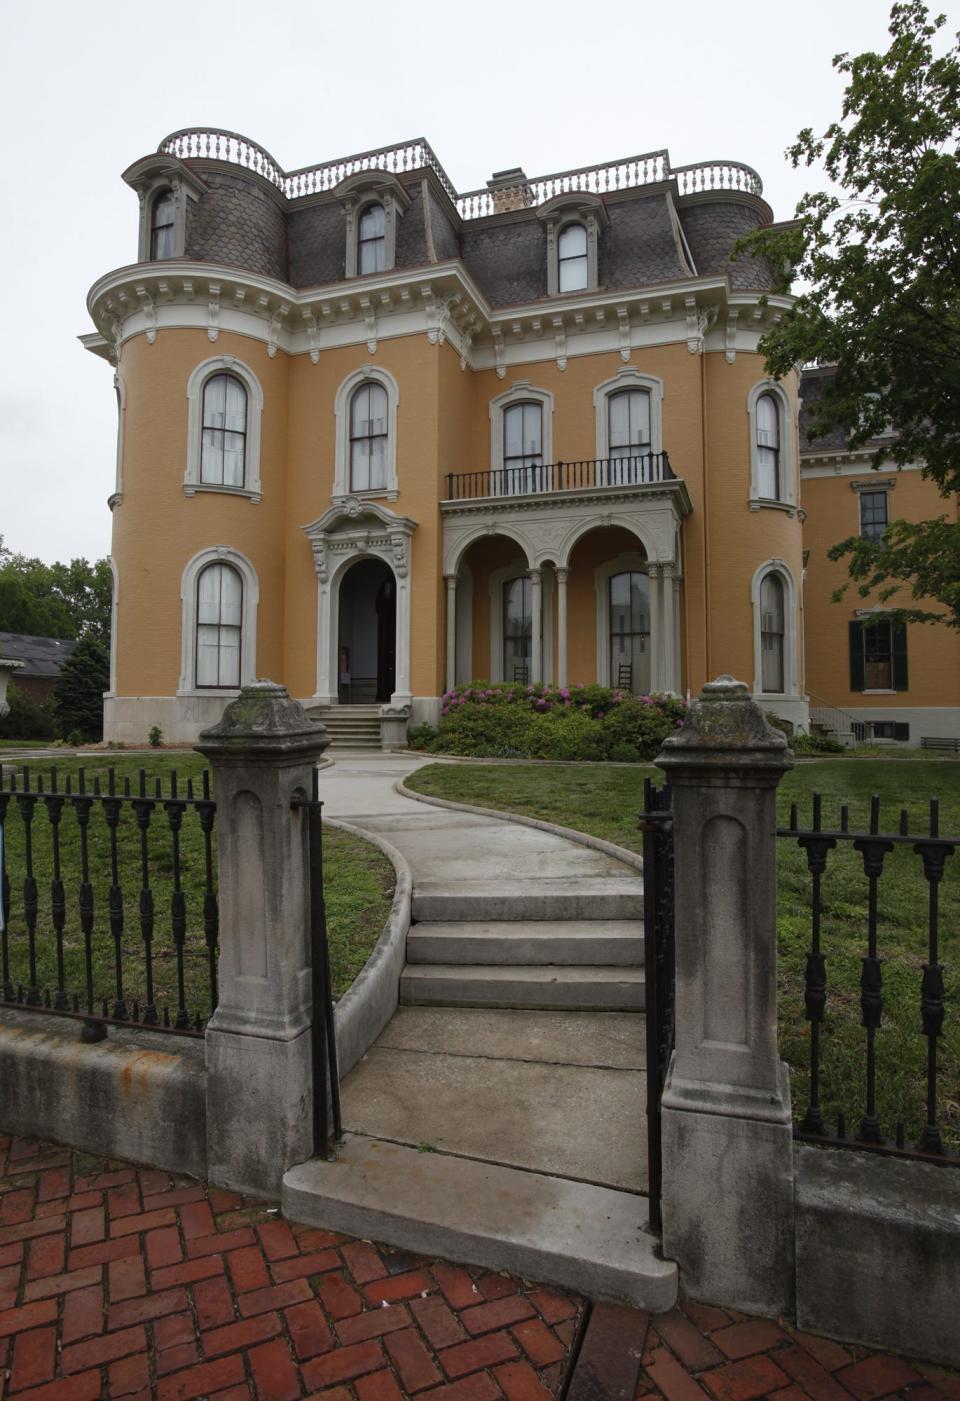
482, 985
571, 1234
553, 898
599, 942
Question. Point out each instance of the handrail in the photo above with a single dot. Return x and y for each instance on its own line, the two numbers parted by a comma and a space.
630, 172
862, 730
537, 479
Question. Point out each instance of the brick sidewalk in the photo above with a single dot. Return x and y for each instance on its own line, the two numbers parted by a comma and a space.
125, 1282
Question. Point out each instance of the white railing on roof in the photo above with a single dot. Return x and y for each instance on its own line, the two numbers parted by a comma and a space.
212, 143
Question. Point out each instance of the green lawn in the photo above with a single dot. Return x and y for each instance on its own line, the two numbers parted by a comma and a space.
358, 887
604, 800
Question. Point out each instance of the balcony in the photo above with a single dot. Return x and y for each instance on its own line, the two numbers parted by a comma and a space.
589, 475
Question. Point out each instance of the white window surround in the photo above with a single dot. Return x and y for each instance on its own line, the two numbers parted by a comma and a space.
217, 554
635, 562
498, 578
628, 379
218, 365
522, 391
355, 194
572, 208
150, 178
789, 692
788, 492
117, 495
341, 406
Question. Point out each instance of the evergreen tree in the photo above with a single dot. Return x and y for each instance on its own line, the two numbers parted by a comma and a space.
78, 694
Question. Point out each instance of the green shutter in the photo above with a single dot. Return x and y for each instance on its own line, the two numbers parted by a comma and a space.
899, 639
856, 656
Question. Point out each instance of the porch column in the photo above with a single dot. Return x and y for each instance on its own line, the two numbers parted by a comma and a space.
668, 650
327, 691
657, 682
726, 1122
258, 1044
536, 620
451, 630
562, 576
402, 695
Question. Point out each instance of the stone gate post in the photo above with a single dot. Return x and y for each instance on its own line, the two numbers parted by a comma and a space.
726, 1121
259, 1122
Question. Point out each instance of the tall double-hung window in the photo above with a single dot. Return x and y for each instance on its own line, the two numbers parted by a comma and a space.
371, 239
219, 626
768, 448
878, 655
224, 437
368, 437
628, 435
572, 259
162, 221
523, 447
772, 635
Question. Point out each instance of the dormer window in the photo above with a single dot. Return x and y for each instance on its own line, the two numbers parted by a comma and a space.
162, 226
572, 259
371, 240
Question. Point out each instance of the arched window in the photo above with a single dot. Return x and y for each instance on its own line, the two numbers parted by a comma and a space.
162, 219
224, 440
219, 626
772, 629
768, 447
628, 435
522, 447
371, 240
517, 629
629, 613
368, 437
572, 271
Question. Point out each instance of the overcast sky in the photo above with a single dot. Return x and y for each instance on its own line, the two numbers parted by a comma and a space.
87, 88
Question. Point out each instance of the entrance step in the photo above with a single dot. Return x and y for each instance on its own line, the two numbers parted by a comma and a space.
616, 943
584, 988
557, 898
571, 1234
349, 726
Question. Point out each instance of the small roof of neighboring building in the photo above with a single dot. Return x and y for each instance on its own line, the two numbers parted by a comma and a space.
41, 656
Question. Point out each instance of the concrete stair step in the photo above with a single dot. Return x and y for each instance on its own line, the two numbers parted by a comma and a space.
571, 1234
552, 898
616, 943
483, 985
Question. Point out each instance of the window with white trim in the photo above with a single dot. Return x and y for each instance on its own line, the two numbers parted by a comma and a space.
517, 629
219, 626
629, 630
770, 420
772, 626
522, 447
224, 411
572, 259
163, 216
223, 450
768, 447
368, 437
629, 426
371, 239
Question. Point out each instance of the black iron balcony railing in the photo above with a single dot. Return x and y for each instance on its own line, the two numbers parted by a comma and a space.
542, 478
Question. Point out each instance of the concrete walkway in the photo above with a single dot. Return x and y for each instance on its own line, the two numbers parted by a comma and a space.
552, 1091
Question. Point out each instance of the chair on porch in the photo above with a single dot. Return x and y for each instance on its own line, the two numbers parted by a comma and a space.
521, 673
625, 676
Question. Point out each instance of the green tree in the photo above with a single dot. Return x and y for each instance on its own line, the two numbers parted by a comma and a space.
54, 600
78, 694
877, 258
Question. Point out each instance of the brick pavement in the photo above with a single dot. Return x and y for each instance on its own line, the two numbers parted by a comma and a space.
126, 1282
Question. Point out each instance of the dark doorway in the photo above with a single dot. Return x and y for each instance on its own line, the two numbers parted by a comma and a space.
368, 634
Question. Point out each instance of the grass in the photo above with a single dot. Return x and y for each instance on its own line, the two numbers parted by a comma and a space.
358, 886
604, 800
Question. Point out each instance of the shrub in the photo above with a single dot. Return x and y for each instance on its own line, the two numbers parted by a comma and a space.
155, 737
420, 736
642, 723
29, 717
817, 744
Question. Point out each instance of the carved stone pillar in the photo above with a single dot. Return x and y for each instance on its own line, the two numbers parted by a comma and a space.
536, 619
670, 680
562, 577
451, 630
258, 1043
657, 682
726, 1121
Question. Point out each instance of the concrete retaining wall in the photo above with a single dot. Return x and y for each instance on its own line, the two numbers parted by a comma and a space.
878, 1251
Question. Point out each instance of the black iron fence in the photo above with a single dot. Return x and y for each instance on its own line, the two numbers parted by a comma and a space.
109, 898
874, 847
538, 478
656, 824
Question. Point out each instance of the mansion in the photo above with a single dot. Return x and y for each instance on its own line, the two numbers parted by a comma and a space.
378, 437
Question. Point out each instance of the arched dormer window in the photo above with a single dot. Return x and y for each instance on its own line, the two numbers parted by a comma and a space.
224, 409
368, 437
219, 626
572, 259
770, 418
223, 450
371, 239
162, 220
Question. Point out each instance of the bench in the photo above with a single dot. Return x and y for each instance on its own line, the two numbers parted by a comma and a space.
940, 742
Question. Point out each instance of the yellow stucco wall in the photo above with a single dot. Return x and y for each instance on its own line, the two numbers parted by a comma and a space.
933, 652
443, 425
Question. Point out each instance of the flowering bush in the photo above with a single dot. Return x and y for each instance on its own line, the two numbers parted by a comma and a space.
504, 720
